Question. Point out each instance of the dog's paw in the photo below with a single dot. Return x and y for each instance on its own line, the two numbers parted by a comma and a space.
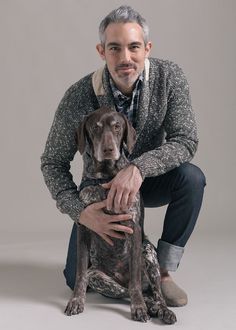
139, 313
163, 313
74, 307
169, 317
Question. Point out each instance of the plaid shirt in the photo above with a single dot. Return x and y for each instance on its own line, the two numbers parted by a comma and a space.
127, 105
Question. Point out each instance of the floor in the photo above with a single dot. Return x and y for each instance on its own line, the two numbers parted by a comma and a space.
33, 294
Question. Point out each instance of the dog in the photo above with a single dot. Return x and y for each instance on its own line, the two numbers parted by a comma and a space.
129, 268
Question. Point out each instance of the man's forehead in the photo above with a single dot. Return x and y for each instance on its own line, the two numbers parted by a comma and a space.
120, 32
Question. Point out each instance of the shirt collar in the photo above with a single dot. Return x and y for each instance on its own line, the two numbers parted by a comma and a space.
119, 95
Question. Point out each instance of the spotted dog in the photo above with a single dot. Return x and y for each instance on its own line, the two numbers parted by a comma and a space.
129, 268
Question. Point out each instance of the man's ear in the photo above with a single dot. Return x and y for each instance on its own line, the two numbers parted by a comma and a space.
148, 47
101, 51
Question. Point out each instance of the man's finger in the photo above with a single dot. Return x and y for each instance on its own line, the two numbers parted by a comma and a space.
110, 199
107, 239
124, 202
124, 229
117, 201
107, 185
131, 200
115, 234
120, 217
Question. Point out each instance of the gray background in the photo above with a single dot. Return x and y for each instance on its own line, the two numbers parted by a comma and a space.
48, 45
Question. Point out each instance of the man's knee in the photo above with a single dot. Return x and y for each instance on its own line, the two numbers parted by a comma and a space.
191, 176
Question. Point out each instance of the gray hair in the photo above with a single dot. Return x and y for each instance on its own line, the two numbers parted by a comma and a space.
123, 14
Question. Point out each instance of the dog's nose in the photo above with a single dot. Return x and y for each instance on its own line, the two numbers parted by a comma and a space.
108, 143
108, 148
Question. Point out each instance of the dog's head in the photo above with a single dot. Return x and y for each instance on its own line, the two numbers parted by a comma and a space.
105, 130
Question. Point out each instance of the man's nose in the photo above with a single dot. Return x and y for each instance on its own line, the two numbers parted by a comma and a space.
125, 55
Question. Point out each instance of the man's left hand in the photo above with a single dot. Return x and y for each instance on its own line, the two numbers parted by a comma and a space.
123, 188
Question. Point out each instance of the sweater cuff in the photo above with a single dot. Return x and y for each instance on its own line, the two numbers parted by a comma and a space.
72, 207
141, 168
146, 167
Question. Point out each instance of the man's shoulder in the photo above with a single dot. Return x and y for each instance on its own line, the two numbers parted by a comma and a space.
159, 64
166, 70
80, 87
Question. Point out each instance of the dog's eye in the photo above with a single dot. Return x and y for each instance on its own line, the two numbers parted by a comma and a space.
117, 127
96, 128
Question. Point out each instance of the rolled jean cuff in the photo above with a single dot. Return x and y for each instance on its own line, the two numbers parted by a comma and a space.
169, 255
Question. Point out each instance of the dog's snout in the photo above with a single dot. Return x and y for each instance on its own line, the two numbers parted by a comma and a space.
108, 142
108, 148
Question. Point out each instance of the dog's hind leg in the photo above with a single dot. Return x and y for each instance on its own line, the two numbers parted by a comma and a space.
154, 300
105, 285
77, 301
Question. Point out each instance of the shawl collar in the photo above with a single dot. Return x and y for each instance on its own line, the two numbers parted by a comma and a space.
102, 89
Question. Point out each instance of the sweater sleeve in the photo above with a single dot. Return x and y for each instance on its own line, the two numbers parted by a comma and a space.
59, 152
180, 129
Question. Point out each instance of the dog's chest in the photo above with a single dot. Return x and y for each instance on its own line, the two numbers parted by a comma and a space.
101, 253
93, 194
112, 260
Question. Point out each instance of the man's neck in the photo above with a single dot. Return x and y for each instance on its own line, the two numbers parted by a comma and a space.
127, 91
124, 89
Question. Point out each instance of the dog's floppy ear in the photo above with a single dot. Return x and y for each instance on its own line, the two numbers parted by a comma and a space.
129, 135
81, 136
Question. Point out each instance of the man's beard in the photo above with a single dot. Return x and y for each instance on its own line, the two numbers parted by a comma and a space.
127, 78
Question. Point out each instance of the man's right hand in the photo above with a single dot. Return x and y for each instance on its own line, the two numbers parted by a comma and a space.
105, 225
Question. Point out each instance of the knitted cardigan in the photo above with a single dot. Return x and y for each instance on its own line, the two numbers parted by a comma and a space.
165, 128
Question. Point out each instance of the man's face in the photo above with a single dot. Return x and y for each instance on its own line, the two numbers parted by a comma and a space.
124, 52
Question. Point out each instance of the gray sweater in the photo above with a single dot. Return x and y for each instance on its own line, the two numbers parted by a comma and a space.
165, 127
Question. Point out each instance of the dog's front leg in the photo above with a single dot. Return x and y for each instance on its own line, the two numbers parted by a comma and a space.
77, 301
155, 302
138, 306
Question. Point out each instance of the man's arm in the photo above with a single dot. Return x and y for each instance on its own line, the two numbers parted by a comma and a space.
180, 126
180, 144
59, 152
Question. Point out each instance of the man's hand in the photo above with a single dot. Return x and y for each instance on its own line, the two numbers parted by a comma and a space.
105, 225
123, 189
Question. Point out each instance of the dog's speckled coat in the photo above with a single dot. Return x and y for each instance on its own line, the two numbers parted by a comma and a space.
130, 267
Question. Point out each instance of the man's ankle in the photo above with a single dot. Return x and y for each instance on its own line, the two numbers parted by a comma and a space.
164, 274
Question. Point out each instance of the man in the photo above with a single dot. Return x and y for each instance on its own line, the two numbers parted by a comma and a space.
154, 95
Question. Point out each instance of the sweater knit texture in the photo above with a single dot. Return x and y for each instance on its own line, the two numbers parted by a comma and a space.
165, 128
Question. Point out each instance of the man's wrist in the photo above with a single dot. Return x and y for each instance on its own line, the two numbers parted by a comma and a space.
137, 171
80, 215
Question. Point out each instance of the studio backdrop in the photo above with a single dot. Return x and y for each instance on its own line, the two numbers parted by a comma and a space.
46, 46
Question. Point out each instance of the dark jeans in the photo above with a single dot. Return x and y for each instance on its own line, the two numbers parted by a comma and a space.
182, 189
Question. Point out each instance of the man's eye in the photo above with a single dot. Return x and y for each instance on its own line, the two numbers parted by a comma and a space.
134, 47
114, 48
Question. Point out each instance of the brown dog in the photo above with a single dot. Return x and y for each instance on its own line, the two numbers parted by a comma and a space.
130, 267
